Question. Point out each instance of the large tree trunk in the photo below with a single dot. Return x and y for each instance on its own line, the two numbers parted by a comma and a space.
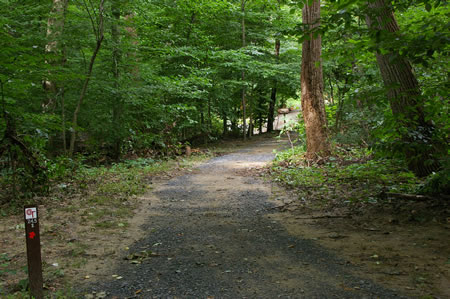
244, 114
313, 106
404, 95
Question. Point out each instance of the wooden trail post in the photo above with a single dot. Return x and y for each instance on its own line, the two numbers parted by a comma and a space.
33, 251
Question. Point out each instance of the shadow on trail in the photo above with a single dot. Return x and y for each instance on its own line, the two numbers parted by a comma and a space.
214, 239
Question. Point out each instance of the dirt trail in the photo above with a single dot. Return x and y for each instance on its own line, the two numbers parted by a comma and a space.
212, 234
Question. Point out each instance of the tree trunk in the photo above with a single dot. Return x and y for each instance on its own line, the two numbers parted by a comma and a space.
331, 89
55, 28
404, 96
271, 116
63, 119
131, 33
260, 123
209, 117
273, 96
250, 118
225, 126
203, 127
117, 100
244, 115
233, 126
341, 98
313, 106
99, 36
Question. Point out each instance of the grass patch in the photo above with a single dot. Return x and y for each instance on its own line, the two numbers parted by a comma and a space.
347, 176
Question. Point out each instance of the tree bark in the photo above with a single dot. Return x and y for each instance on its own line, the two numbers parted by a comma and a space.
313, 106
404, 95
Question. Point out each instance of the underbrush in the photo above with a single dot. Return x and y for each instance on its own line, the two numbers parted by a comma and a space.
71, 176
349, 176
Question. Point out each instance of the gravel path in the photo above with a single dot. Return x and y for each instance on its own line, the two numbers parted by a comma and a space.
211, 236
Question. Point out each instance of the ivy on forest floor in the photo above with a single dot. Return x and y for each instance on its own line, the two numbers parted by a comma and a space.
349, 176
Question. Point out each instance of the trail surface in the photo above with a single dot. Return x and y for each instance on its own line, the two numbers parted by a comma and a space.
210, 234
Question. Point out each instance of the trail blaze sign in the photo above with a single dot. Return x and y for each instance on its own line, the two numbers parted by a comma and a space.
33, 251
30, 213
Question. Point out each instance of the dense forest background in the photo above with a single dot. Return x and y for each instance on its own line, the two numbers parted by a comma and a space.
91, 81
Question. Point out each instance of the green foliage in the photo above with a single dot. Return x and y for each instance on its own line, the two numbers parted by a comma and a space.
4, 264
350, 175
438, 183
171, 74
359, 112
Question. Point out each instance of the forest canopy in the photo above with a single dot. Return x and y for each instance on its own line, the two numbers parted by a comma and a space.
99, 80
